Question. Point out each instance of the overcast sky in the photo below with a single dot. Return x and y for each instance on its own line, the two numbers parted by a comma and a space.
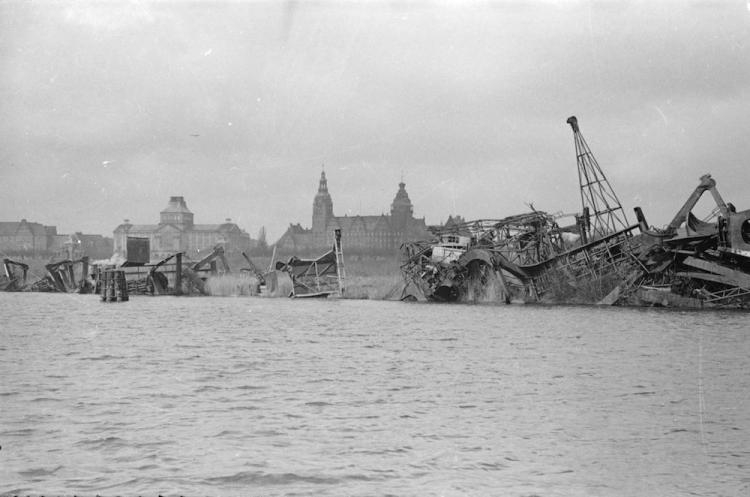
107, 110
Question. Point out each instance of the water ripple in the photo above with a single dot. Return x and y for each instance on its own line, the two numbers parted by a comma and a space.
343, 398
260, 478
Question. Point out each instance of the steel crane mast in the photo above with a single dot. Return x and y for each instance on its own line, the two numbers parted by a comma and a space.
602, 210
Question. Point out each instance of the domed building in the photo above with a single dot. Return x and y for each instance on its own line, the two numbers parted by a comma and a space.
176, 232
378, 235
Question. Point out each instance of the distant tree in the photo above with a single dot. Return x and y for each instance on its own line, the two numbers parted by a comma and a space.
262, 247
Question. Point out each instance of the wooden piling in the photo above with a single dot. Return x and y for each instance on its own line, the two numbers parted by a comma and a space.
85, 273
178, 274
114, 286
71, 283
98, 276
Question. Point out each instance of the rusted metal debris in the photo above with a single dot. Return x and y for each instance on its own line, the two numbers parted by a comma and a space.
597, 259
694, 263
188, 278
10, 281
79, 276
65, 276
266, 283
319, 277
528, 258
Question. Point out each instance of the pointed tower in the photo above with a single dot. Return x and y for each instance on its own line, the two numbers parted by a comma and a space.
402, 210
322, 210
602, 211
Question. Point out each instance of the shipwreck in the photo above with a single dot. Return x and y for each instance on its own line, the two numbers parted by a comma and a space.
597, 257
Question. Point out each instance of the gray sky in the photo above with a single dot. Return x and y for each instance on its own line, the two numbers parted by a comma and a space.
109, 109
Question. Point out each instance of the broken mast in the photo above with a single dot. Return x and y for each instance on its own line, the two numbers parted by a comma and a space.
602, 211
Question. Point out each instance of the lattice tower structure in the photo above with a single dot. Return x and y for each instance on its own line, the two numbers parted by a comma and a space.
607, 214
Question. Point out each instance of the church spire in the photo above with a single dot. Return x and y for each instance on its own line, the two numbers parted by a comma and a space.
322, 207
323, 185
401, 201
402, 210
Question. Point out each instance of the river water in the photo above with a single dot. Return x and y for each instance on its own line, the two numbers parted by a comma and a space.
252, 396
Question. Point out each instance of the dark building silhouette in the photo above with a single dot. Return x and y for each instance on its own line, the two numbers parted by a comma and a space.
30, 239
378, 234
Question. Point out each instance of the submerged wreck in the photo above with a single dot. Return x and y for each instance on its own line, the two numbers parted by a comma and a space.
173, 275
319, 277
597, 258
694, 263
10, 281
66, 276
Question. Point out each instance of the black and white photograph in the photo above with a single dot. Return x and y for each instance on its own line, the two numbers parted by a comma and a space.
449, 248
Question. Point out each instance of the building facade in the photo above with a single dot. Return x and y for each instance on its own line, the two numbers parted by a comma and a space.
29, 239
26, 238
176, 232
379, 234
96, 247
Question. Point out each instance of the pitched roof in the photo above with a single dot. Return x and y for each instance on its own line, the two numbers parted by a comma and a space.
297, 229
127, 227
13, 228
177, 204
364, 223
205, 227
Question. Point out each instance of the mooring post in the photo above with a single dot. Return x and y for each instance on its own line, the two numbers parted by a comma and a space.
71, 276
178, 274
114, 286
340, 272
121, 287
103, 278
98, 279
84, 284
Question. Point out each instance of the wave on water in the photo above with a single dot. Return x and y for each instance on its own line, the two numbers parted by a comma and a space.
23, 432
105, 357
243, 408
229, 433
251, 387
208, 388
261, 478
103, 443
39, 472
340, 398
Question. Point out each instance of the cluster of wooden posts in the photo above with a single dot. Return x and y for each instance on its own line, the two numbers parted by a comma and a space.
114, 286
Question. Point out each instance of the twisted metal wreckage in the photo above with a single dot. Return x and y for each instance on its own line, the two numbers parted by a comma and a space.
599, 258
62, 276
319, 277
80, 276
